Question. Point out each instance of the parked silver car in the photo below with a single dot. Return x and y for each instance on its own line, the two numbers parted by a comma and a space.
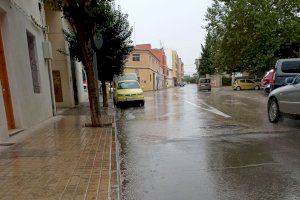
285, 100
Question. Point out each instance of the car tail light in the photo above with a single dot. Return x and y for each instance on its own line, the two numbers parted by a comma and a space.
273, 77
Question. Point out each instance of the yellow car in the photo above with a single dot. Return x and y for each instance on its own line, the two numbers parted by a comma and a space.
128, 91
245, 84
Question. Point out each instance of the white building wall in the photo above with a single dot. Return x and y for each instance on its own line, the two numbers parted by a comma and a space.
216, 80
60, 61
29, 108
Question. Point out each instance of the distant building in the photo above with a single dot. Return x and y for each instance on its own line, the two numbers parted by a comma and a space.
180, 71
147, 67
170, 78
160, 55
175, 63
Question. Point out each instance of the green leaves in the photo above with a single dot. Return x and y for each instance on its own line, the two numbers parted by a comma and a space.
206, 61
117, 45
95, 18
250, 35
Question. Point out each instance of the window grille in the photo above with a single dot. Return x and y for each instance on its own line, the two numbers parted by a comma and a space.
33, 63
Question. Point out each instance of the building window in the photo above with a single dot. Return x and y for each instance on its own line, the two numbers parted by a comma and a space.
136, 57
33, 63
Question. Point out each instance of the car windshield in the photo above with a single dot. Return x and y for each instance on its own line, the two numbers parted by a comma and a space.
128, 85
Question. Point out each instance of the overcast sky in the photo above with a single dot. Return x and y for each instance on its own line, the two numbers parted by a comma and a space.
177, 25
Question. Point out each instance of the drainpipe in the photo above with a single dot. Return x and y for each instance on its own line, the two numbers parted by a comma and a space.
53, 102
47, 51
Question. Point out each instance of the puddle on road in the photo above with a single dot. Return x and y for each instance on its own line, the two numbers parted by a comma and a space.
151, 138
226, 126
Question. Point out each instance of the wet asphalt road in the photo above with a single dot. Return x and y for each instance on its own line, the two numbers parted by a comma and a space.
191, 145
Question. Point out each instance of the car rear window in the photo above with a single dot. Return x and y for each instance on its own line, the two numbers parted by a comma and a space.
291, 67
204, 80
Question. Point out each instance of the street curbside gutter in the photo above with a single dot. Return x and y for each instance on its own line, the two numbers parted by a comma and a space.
115, 184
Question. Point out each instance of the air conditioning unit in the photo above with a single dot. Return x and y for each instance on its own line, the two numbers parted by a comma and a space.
47, 50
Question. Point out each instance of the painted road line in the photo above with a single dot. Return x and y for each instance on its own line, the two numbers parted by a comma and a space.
211, 109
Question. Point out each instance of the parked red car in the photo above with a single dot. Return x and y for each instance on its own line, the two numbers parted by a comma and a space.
265, 83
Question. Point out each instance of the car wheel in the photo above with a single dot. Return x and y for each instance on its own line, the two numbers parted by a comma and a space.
238, 88
267, 90
256, 87
273, 110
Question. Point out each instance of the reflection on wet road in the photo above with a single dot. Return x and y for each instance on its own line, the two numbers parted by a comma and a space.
207, 145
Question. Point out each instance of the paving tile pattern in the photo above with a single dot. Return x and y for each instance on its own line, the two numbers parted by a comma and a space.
62, 160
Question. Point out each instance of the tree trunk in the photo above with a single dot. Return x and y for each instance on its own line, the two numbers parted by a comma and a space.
104, 94
91, 81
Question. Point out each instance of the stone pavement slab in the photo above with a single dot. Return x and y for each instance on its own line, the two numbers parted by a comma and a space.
61, 160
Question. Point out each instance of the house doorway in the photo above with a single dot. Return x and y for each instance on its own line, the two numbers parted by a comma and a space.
5, 88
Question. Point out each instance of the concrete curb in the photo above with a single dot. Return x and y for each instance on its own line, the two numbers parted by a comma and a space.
117, 158
117, 161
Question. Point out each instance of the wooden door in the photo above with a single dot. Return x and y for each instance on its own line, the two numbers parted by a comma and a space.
5, 88
57, 86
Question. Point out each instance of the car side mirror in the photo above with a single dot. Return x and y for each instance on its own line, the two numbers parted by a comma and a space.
289, 80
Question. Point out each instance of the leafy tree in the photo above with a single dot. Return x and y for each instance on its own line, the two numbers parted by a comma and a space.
191, 79
195, 78
85, 17
187, 78
115, 32
250, 35
117, 45
206, 60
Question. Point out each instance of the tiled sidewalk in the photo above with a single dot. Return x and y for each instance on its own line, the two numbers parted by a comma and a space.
62, 159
